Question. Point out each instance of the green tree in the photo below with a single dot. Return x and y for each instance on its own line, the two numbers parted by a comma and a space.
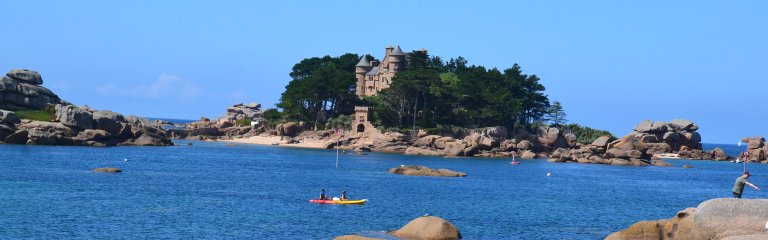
555, 114
320, 84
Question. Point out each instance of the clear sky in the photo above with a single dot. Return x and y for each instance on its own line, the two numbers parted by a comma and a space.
611, 64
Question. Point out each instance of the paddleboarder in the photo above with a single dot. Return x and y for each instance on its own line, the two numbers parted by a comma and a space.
738, 186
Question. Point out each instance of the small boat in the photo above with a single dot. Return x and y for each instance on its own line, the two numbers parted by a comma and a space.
335, 201
737, 161
513, 162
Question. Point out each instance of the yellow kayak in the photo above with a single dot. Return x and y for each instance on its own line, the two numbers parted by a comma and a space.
329, 201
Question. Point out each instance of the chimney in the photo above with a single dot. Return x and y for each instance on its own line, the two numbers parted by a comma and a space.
374, 63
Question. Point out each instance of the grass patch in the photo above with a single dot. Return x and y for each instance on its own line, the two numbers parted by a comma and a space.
36, 115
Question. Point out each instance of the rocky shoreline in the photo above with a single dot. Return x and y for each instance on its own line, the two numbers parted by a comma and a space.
645, 145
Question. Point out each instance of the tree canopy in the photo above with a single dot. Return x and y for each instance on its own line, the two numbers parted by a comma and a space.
429, 92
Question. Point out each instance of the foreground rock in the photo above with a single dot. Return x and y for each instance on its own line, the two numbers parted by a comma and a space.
426, 227
425, 171
722, 218
107, 170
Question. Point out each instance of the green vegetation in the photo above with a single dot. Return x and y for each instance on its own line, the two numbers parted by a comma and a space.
340, 122
555, 114
320, 84
272, 116
245, 122
47, 115
587, 135
430, 92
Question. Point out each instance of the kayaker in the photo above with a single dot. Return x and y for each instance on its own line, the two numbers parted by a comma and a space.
322, 195
738, 186
344, 195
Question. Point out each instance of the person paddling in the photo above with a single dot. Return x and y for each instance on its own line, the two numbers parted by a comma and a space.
322, 195
738, 186
344, 195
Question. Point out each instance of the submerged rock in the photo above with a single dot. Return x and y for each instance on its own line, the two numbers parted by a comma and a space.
425, 171
107, 170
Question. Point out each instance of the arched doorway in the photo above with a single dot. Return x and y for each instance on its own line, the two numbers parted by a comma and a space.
360, 128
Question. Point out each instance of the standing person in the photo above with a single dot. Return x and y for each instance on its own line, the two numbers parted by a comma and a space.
322, 195
738, 186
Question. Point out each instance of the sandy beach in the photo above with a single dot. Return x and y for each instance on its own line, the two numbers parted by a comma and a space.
276, 140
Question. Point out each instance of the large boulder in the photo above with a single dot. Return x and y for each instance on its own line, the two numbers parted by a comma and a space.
528, 155
422, 151
726, 217
9, 117
454, 148
643, 127
19, 137
288, 129
629, 142
720, 155
74, 117
425, 171
525, 145
426, 141
721, 218
659, 127
678, 227
27, 76
551, 137
684, 124
428, 227
602, 141
39, 137
109, 121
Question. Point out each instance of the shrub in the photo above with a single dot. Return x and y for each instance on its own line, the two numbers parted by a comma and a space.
37, 115
245, 122
586, 135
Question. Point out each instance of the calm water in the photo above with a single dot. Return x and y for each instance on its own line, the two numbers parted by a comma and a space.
210, 190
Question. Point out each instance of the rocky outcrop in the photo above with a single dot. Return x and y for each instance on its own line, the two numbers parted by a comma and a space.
676, 134
428, 227
757, 150
722, 218
20, 89
425, 171
250, 111
81, 126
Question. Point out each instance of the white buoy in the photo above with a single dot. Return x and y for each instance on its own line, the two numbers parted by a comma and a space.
125, 160
549, 174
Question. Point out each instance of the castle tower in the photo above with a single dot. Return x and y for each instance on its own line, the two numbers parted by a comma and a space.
361, 69
361, 124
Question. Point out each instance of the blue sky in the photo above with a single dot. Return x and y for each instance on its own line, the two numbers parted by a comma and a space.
612, 64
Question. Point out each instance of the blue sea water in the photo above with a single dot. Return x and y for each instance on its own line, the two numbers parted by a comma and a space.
211, 190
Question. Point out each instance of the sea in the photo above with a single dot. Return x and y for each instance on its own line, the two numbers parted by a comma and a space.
217, 190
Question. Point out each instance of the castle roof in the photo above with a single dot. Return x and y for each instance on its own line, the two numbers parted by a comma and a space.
397, 52
363, 62
373, 72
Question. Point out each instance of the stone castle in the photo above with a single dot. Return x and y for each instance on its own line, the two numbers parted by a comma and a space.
373, 77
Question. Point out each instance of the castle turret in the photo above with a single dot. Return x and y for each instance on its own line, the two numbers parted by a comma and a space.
361, 69
396, 60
